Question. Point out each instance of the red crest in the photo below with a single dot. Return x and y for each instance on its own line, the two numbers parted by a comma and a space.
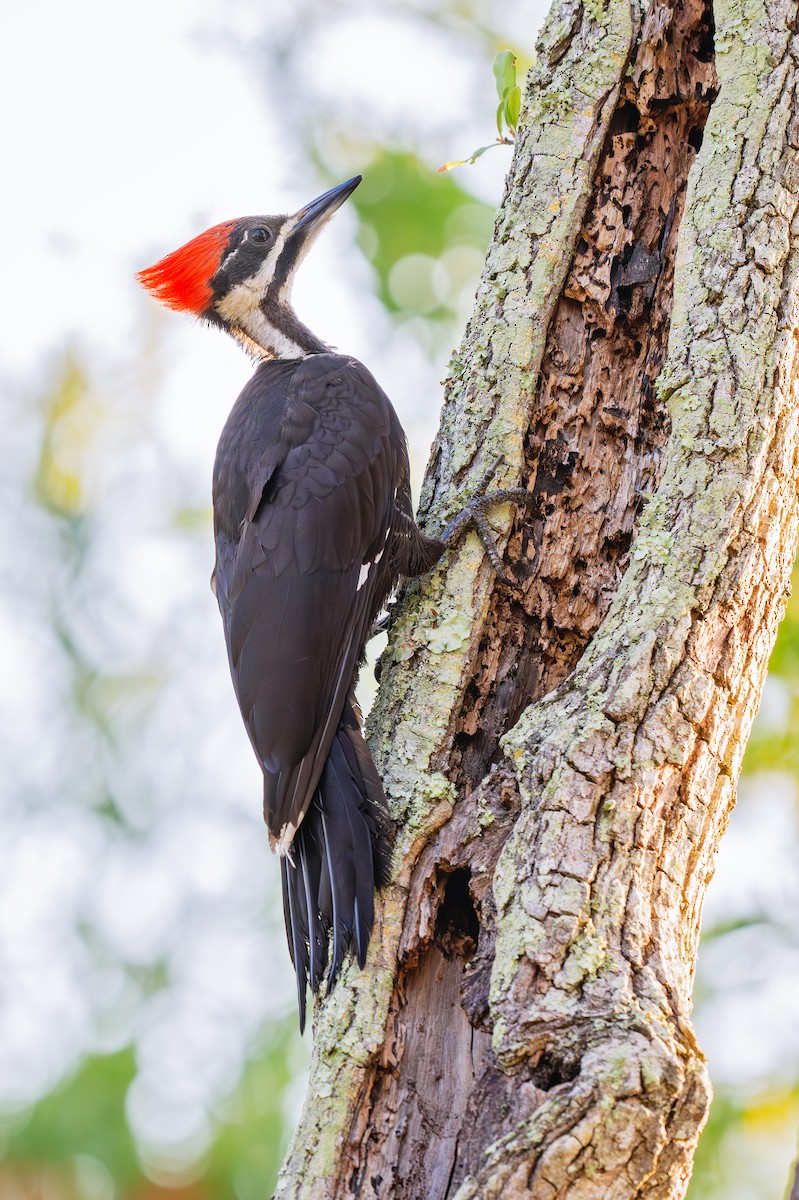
182, 279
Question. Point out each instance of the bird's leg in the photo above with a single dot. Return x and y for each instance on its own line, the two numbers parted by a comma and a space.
428, 551
474, 513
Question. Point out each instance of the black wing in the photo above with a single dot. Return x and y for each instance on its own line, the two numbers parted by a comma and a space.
307, 474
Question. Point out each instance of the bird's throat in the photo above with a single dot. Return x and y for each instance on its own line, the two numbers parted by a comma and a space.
275, 334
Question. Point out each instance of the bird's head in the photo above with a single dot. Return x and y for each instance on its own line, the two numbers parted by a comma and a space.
238, 275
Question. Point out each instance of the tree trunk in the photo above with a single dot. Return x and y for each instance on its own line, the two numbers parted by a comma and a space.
562, 758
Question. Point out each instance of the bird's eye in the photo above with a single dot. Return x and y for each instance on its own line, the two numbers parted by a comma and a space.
260, 235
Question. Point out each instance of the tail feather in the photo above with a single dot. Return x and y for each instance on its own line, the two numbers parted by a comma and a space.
299, 955
328, 896
339, 856
315, 967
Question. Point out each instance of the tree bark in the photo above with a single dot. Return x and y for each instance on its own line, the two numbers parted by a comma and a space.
562, 758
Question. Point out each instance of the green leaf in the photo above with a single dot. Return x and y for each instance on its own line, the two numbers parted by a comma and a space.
505, 73
513, 105
500, 114
482, 150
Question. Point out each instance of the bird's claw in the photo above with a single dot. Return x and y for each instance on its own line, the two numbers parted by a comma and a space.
474, 513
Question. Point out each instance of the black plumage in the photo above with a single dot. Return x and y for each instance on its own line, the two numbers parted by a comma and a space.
314, 526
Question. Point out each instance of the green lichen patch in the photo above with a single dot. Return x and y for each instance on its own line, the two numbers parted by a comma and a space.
584, 960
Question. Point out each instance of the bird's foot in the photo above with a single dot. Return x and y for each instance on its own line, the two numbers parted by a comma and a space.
474, 514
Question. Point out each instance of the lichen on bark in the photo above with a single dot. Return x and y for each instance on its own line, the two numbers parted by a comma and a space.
562, 758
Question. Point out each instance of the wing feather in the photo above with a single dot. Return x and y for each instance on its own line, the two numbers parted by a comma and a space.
315, 510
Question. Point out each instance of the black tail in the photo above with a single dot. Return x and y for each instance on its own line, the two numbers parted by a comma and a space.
340, 855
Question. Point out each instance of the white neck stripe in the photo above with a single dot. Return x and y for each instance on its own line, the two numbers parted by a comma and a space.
238, 303
271, 339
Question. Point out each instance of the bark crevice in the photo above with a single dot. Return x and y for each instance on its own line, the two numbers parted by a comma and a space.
594, 447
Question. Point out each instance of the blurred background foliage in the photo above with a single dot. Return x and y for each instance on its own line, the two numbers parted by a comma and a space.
148, 1042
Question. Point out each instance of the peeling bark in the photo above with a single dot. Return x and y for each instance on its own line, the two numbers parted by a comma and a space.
562, 758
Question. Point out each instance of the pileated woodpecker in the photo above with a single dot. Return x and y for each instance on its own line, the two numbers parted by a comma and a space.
314, 526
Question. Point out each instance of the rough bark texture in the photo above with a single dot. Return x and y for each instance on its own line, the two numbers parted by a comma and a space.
562, 758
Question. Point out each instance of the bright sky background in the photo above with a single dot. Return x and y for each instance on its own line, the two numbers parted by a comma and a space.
126, 131
129, 133
129, 130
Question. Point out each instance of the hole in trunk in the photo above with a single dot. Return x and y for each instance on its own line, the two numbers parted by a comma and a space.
625, 119
550, 1071
457, 927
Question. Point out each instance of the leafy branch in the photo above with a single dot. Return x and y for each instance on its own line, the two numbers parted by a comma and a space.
508, 109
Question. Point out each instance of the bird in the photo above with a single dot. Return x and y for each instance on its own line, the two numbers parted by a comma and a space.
313, 527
